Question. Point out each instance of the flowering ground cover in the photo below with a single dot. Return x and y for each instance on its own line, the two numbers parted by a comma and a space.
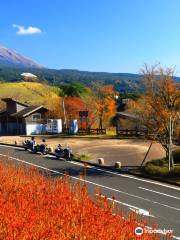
35, 207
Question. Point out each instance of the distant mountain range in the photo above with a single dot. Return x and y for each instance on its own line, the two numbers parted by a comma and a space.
10, 58
12, 65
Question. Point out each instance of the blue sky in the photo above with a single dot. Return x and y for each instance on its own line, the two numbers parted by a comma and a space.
94, 35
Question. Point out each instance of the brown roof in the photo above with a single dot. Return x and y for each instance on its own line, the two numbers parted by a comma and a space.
27, 111
127, 115
14, 100
3, 112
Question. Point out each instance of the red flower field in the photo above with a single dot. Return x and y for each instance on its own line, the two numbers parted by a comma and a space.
33, 206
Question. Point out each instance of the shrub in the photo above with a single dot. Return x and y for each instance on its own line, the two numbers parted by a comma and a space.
159, 162
156, 170
36, 207
161, 170
83, 157
175, 172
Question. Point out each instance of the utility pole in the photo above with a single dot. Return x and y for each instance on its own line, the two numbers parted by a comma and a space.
170, 144
64, 111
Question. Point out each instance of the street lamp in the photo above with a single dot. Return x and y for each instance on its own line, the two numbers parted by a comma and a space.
116, 97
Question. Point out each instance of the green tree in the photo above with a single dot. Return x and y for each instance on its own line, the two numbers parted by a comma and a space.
74, 89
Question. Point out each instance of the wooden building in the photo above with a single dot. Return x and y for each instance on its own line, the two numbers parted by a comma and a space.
20, 118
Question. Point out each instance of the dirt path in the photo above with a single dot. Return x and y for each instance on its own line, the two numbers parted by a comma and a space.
130, 152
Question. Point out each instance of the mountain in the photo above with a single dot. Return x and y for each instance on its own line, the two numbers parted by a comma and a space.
10, 58
12, 65
123, 82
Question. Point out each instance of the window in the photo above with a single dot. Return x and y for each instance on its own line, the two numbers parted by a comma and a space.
36, 116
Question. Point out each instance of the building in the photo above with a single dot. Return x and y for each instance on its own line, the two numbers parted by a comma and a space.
127, 120
20, 118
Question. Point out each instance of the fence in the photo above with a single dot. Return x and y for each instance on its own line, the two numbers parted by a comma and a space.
131, 133
88, 131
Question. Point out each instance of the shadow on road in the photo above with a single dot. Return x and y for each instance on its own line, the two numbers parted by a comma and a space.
75, 171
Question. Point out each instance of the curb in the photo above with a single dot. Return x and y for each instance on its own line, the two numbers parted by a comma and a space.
128, 172
11, 145
143, 176
154, 178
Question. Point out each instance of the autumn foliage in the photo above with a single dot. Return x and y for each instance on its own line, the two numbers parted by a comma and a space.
75, 104
38, 207
158, 109
104, 104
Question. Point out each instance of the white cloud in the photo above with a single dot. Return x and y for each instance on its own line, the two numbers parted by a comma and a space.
26, 31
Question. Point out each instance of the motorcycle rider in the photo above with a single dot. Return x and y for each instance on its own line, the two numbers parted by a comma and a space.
63, 153
43, 145
59, 148
29, 144
32, 142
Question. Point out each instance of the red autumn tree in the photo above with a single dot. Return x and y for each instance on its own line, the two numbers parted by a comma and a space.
73, 105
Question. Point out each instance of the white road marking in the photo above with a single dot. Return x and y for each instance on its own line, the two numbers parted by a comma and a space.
143, 212
93, 183
119, 174
164, 194
127, 176
140, 211
14, 147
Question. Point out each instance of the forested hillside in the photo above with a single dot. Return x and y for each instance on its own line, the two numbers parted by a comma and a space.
32, 94
75, 97
123, 82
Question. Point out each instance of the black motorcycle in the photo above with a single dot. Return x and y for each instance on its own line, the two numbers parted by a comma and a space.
65, 153
32, 147
41, 148
28, 144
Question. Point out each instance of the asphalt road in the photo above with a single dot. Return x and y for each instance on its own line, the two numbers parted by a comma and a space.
159, 202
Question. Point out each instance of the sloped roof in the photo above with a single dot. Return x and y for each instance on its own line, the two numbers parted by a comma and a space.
14, 100
127, 115
27, 111
3, 112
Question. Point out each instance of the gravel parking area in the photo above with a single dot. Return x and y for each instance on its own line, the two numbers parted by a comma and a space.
130, 152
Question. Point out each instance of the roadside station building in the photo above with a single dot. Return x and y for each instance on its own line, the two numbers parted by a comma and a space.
20, 118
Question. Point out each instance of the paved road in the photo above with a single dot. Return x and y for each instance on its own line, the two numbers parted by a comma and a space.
159, 202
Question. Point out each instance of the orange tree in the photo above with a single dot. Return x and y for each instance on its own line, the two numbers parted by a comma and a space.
104, 101
74, 98
158, 109
75, 104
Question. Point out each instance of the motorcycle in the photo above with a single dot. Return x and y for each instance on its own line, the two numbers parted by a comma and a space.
28, 144
65, 153
41, 148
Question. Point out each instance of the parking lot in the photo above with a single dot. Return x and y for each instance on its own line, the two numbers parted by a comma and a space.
130, 152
